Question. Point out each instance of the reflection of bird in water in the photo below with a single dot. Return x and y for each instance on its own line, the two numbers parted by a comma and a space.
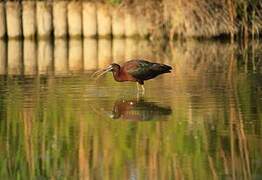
136, 71
139, 110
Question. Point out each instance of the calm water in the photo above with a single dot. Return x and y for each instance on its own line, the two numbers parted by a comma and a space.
202, 121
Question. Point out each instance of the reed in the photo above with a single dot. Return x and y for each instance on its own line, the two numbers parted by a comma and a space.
211, 18
199, 18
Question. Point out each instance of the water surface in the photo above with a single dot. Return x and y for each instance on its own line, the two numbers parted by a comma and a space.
201, 121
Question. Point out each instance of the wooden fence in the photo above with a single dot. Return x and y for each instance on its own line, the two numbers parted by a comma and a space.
60, 19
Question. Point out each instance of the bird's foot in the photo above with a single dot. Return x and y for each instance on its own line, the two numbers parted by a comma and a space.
141, 91
140, 95
137, 86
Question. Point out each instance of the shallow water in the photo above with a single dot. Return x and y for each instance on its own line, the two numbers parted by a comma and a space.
201, 121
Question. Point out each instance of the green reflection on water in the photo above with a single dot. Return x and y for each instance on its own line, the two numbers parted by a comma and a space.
202, 121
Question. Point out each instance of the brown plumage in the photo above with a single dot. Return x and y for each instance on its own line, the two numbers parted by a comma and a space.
139, 110
136, 71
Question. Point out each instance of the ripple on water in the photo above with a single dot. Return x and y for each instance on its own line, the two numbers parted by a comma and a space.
202, 114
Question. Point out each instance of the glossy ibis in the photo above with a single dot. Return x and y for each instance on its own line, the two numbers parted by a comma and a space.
139, 110
136, 71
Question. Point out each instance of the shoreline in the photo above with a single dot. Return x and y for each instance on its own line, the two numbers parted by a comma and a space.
78, 19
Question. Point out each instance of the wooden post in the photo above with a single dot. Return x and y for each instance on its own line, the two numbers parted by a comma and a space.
145, 49
104, 21
118, 23
118, 50
60, 19
75, 57
30, 60
60, 57
29, 19
2, 20
44, 19
45, 56
143, 27
89, 19
90, 54
13, 18
14, 57
74, 17
3, 60
104, 53
131, 49
130, 25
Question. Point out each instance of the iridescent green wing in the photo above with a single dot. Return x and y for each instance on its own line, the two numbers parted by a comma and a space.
139, 69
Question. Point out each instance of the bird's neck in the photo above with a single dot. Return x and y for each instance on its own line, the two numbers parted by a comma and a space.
117, 75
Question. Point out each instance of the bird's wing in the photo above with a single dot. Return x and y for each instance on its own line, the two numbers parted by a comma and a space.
144, 70
139, 69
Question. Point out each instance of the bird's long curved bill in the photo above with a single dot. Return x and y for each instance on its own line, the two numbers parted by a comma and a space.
100, 73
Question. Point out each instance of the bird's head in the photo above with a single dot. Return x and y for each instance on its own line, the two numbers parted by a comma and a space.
112, 67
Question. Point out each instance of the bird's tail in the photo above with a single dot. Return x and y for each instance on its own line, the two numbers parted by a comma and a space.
161, 68
165, 68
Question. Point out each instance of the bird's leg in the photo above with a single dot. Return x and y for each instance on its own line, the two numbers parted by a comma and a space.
137, 85
140, 92
137, 96
140, 83
143, 89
